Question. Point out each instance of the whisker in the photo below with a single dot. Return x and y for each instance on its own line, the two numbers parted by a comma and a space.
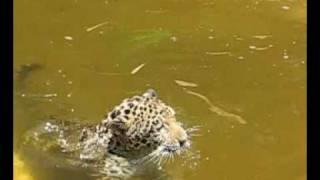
196, 127
159, 161
149, 157
153, 156
171, 158
146, 159
193, 129
156, 160
172, 155
165, 160
191, 132
196, 135
168, 158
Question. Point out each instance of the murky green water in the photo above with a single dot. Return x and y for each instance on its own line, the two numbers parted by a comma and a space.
248, 58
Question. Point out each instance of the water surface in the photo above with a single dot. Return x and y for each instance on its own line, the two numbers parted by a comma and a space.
248, 58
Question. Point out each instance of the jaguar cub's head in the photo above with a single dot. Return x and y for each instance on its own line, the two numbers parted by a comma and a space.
144, 122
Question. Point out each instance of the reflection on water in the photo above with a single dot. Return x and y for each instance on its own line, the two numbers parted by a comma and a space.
237, 68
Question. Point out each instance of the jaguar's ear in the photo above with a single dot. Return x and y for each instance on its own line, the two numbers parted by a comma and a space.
115, 121
116, 125
150, 93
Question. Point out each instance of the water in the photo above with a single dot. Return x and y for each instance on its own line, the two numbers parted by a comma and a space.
248, 58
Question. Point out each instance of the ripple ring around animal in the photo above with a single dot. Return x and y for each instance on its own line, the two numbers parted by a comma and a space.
140, 130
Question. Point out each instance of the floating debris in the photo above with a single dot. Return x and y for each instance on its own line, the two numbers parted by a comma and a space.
173, 39
210, 37
69, 38
260, 48
252, 47
216, 109
185, 83
285, 7
160, 11
40, 95
69, 95
70, 82
97, 26
138, 68
218, 53
285, 54
241, 57
50, 95
262, 36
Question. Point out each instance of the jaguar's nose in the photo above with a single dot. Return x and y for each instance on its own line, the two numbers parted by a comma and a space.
182, 142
